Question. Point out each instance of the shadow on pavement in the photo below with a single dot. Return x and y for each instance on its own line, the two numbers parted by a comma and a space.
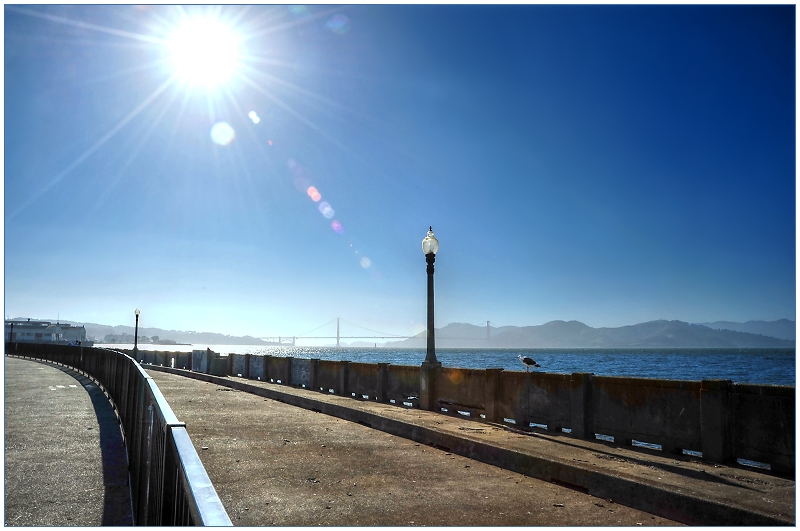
117, 502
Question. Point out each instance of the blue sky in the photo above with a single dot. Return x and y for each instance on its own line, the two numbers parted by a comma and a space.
609, 164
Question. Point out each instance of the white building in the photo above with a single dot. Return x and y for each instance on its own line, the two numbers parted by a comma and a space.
29, 331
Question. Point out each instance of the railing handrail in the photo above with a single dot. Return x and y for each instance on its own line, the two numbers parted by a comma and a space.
207, 507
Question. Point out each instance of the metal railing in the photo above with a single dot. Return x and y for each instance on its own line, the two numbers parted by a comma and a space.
169, 484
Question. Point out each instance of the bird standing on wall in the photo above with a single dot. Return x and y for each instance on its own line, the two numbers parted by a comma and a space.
528, 362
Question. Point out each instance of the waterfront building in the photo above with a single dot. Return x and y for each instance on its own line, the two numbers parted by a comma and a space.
31, 331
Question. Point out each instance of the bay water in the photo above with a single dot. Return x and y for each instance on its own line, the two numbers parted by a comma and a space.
774, 366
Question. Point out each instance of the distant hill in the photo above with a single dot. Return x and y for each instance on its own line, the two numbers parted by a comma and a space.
782, 328
574, 334
99, 331
555, 334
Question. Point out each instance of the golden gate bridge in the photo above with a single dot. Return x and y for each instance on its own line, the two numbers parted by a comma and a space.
290, 340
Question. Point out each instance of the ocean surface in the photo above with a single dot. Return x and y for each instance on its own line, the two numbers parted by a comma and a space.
775, 366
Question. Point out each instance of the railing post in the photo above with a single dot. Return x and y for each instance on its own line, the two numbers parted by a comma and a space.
581, 417
246, 374
170, 481
147, 467
491, 398
715, 421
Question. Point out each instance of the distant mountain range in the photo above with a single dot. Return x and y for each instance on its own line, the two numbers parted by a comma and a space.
574, 334
100, 331
555, 334
782, 328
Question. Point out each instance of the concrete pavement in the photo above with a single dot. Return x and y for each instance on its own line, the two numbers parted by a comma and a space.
281, 442
65, 461
277, 464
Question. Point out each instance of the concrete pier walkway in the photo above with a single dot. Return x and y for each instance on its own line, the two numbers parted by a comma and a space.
65, 461
277, 464
365, 463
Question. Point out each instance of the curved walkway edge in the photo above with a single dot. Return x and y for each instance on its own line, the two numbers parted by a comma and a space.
680, 488
65, 458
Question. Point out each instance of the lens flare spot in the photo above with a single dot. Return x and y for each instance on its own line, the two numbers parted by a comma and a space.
269, 142
337, 227
314, 195
254, 116
365, 262
326, 210
222, 133
339, 24
295, 167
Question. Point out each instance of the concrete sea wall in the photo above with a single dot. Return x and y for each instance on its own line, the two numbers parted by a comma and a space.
716, 419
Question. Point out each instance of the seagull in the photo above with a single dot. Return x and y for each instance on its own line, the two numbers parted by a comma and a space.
527, 362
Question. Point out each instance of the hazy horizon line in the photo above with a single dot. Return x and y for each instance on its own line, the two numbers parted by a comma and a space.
59, 320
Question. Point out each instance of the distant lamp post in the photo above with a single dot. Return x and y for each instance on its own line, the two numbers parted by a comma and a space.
430, 245
136, 336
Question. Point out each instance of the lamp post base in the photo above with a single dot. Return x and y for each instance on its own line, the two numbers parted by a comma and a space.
428, 374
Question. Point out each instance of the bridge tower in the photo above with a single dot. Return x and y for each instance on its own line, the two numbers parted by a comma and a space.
487, 330
337, 331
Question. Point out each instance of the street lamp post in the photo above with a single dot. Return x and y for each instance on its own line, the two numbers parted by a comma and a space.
430, 245
431, 366
136, 337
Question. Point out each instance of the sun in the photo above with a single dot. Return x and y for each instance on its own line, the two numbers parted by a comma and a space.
205, 51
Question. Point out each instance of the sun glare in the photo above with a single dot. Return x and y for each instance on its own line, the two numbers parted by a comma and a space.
204, 51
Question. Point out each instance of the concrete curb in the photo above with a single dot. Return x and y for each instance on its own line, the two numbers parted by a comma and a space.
654, 499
